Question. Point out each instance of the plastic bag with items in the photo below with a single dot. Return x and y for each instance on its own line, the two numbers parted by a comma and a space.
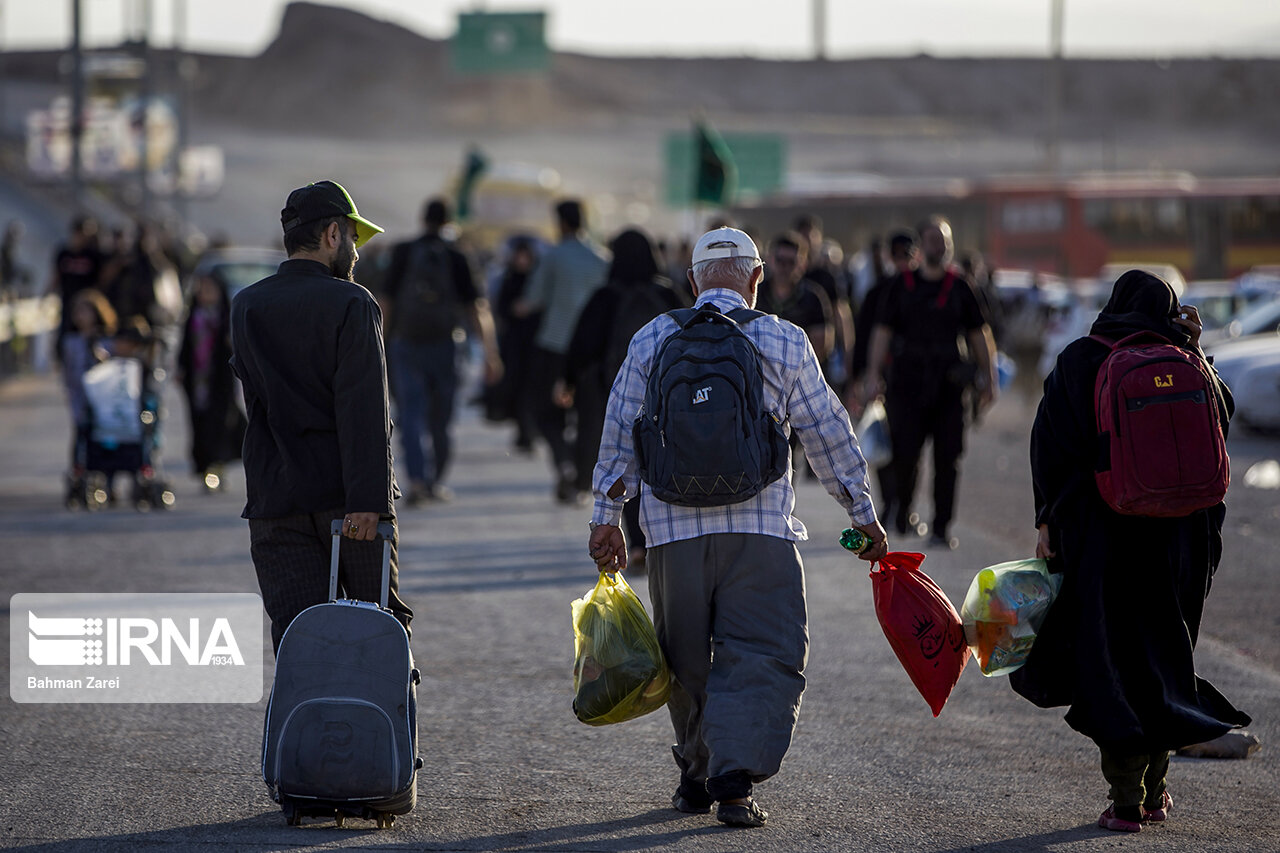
1004, 609
619, 672
873, 435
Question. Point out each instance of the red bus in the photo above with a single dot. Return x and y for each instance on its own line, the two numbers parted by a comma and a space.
1070, 226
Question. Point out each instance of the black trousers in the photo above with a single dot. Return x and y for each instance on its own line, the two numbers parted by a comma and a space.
929, 408
291, 556
550, 419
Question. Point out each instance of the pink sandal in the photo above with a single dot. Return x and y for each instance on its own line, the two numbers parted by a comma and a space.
1108, 820
1158, 814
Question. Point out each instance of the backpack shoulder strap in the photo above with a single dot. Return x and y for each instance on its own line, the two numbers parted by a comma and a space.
1131, 340
743, 316
683, 316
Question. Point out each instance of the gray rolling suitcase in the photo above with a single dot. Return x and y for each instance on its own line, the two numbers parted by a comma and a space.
341, 734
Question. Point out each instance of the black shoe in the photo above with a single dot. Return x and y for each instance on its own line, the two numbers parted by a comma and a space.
747, 814
438, 493
417, 494
688, 807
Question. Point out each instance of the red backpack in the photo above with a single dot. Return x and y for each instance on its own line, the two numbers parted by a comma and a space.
1160, 443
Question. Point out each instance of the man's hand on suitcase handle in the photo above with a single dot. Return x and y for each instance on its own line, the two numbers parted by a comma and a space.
361, 526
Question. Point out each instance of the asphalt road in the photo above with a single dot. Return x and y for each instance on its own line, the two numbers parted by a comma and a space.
507, 767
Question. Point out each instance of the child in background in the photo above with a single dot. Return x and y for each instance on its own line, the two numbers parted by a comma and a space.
93, 322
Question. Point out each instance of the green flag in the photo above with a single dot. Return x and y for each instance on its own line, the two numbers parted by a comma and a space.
475, 167
715, 176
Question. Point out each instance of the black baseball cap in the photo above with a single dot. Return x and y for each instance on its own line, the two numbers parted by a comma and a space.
322, 200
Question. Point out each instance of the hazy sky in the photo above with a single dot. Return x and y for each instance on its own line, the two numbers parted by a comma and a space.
765, 28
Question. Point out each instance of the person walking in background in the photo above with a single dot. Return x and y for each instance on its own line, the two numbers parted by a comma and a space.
77, 265
1118, 642
204, 369
307, 345
14, 275
515, 339
729, 578
902, 254
430, 293
563, 281
636, 292
928, 315
786, 293
826, 272
85, 344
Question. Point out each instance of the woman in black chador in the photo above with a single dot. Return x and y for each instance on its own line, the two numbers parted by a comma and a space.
1117, 645
217, 425
635, 292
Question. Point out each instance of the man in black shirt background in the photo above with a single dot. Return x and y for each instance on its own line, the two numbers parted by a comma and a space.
77, 266
931, 323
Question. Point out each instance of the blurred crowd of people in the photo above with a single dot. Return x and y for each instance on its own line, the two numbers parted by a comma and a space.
550, 323
123, 300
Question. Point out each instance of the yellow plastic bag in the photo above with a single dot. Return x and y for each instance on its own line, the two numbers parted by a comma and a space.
1004, 609
619, 672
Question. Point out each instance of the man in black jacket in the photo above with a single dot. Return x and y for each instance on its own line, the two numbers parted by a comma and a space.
307, 344
926, 321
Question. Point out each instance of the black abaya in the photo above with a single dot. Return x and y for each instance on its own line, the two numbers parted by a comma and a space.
1117, 645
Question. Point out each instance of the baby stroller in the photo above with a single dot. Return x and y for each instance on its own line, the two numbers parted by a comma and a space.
121, 429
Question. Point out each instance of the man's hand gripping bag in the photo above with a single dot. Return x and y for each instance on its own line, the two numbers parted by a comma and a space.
921, 625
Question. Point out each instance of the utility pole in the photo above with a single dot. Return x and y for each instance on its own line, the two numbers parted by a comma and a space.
4, 89
819, 29
144, 95
1053, 154
76, 125
182, 65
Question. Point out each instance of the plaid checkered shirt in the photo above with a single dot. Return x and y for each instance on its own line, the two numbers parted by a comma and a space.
794, 388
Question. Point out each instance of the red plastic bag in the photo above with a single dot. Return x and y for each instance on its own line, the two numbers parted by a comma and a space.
921, 625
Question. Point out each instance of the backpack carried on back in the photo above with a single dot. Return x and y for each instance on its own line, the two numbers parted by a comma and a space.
1161, 451
703, 437
426, 307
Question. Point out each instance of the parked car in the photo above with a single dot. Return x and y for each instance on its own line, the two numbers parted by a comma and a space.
1262, 319
237, 267
1219, 301
1251, 368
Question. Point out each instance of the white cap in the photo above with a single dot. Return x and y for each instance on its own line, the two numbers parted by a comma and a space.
724, 243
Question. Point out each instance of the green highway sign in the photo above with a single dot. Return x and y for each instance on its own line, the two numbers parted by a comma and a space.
500, 43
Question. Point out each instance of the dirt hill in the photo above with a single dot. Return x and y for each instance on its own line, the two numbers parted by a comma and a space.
340, 72
331, 68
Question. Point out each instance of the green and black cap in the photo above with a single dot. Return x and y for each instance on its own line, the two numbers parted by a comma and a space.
322, 200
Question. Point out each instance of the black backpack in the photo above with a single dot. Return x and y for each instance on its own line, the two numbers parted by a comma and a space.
426, 305
703, 437
638, 303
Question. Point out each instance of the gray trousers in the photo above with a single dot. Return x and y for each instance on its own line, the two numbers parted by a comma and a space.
729, 609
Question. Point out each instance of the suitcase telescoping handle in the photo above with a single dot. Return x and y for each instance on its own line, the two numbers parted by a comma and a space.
386, 532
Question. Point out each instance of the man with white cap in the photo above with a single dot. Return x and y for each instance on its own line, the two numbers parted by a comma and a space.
307, 346
729, 578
